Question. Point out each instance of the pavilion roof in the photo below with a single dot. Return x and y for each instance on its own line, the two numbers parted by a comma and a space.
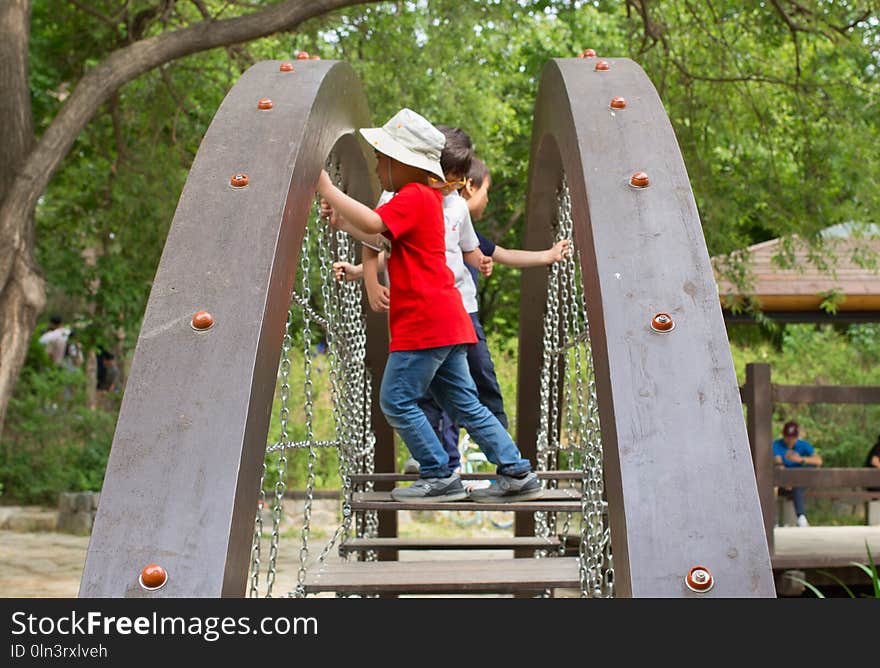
802, 284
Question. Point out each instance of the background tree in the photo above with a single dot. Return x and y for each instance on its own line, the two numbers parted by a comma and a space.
141, 36
774, 105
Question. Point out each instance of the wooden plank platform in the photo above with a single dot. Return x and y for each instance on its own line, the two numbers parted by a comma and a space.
403, 477
499, 543
444, 577
554, 500
823, 547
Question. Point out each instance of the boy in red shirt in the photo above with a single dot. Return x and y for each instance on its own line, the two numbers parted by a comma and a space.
430, 328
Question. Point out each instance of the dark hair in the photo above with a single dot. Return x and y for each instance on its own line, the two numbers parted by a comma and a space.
56, 320
478, 172
458, 151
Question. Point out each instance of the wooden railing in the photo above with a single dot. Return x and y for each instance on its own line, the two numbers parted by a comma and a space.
759, 395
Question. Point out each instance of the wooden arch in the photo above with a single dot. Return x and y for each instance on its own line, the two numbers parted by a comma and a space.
184, 470
678, 472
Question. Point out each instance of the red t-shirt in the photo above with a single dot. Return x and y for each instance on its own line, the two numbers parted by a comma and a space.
426, 308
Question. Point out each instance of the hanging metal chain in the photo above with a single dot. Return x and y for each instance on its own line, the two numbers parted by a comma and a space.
305, 264
568, 391
337, 309
281, 482
258, 535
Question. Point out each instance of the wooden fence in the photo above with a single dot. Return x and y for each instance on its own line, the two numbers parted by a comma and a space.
759, 395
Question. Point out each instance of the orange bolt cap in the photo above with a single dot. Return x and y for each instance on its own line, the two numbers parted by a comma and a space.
302, 55
286, 66
314, 57
602, 65
202, 321
639, 180
153, 577
699, 579
618, 102
264, 103
239, 180
589, 53
662, 322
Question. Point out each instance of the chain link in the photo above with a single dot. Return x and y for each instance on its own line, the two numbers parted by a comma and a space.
568, 391
336, 308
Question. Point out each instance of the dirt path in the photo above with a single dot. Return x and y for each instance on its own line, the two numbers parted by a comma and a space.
47, 564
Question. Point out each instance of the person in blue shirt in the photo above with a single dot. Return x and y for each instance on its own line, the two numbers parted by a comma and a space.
791, 452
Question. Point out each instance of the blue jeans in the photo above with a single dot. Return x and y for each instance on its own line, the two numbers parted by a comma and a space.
799, 496
447, 431
443, 372
482, 370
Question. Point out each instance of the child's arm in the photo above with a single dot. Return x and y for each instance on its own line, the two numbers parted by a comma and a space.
378, 295
523, 258
360, 216
337, 221
345, 271
476, 259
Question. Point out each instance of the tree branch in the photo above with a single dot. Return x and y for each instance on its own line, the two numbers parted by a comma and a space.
120, 67
91, 11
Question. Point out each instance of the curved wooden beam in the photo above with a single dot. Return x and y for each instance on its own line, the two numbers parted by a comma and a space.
182, 482
678, 471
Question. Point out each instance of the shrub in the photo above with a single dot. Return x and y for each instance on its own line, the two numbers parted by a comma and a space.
52, 442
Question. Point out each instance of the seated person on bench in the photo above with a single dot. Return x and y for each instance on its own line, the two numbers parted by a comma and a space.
873, 460
791, 452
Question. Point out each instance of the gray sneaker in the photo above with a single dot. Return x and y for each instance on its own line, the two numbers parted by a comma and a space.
431, 490
507, 489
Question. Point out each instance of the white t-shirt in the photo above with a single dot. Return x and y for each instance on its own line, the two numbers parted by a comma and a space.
460, 238
55, 341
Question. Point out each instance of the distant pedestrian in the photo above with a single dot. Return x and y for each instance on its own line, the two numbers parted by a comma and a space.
108, 372
55, 340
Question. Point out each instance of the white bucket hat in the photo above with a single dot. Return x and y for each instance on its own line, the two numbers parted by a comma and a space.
409, 138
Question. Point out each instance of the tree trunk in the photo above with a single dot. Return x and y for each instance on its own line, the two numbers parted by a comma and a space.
22, 290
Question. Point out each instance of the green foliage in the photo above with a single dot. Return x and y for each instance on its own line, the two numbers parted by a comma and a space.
52, 442
870, 569
775, 123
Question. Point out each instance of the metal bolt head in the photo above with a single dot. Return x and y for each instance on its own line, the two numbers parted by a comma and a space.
589, 53
302, 55
202, 321
264, 103
153, 577
699, 579
618, 102
639, 180
662, 322
286, 66
239, 180
602, 66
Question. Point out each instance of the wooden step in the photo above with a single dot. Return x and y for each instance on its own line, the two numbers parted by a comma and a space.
554, 500
403, 477
444, 577
500, 543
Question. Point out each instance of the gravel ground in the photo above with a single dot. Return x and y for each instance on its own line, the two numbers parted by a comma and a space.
48, 564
